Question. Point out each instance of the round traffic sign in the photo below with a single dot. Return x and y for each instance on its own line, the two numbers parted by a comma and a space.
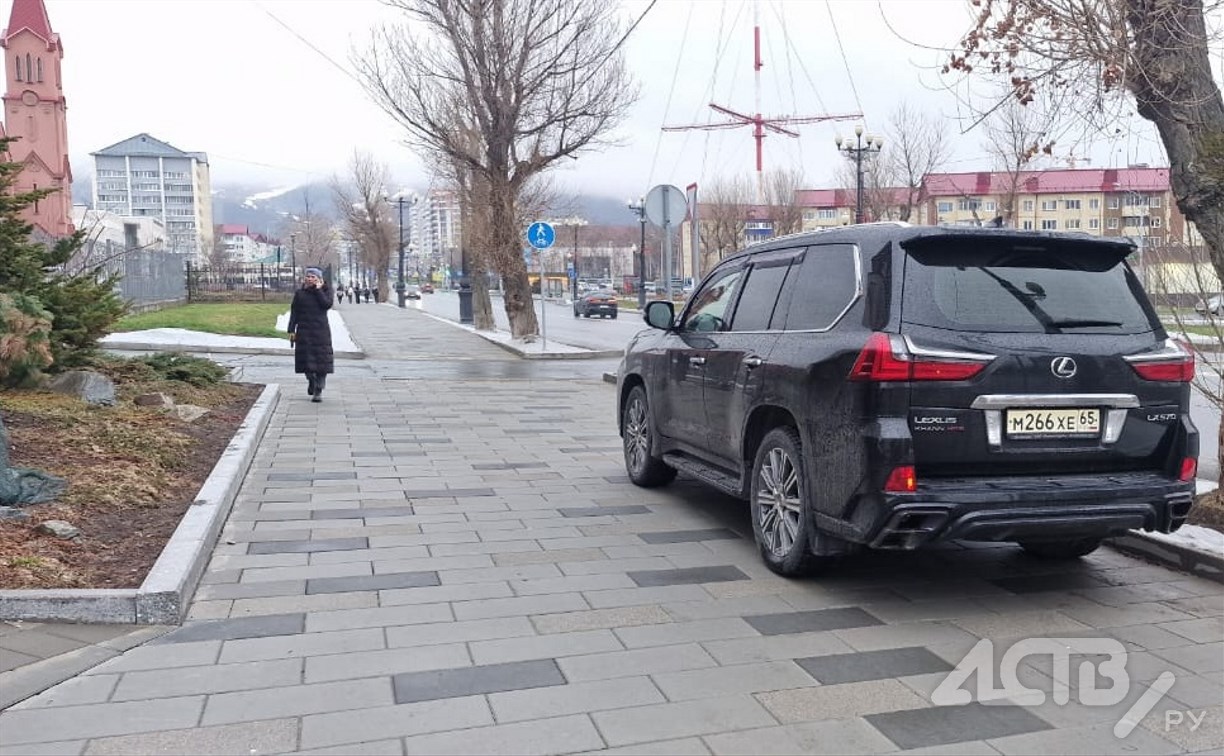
541, 235
666, 205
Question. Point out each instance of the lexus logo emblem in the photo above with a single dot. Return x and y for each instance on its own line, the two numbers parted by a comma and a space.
1063, 367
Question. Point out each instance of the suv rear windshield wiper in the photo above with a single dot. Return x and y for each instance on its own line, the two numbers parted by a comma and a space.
1082, 323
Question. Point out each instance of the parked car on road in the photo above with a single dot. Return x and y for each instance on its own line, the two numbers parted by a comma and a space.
601, 302
427, 288
891, 386
1213, 305
412, 291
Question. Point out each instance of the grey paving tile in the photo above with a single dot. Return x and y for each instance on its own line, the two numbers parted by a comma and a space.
645, 661
366, 748
232, 629
575, 698
542, 736
544, 646
57, 748
443, 593
678, 720
443, 493
872, 665
848, 736
595, 619
624, 509
99, 720
877, 637
616, 597
690, 536
941, 725
1064, 582
293, 646
372, 582
76, 691
250, 590
306, 547
519, 605
670, 633
732, 680
312, 476
678, 747
166, 683
169, 656
817, 620
458, 632
39, 645
385, 662
269, 736
377, 616
412, 687
687, 576
10, 660
361, 513
296, 700
95, 634
775, 647
322, 602
362, 725
1085, 741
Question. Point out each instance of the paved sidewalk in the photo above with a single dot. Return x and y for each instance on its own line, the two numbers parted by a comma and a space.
445, 556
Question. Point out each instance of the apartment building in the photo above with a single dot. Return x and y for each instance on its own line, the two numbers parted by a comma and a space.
1135, 202
144, 176
246, 246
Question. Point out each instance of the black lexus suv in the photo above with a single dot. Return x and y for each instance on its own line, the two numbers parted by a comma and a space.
891, 386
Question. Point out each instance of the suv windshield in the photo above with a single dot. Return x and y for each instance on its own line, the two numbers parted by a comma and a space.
965, 288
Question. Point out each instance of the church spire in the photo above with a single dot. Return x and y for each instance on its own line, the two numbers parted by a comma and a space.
32, 15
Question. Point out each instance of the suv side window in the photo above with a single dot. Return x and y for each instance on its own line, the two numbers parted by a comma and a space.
827, 283
759, 300
710, 307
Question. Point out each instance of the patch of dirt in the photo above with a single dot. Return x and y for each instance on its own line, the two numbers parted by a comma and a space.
131, 471
1208, 510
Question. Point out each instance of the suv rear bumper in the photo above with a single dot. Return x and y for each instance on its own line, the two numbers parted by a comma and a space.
1032, 508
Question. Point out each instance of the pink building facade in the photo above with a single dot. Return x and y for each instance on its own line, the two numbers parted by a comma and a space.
35, 112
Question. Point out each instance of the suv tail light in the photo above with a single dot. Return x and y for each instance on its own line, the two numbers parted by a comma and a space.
1172, 363
902, 479
890, 357
1189, 469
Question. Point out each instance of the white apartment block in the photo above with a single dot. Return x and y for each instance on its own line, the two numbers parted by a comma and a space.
145, 177
432, 225
246, 246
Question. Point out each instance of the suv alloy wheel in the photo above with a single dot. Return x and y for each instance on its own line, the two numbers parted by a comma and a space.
778, 491
644, 470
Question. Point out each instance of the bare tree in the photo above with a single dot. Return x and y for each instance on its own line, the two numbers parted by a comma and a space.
219, 256
541, 80
361, 202
781, 194
917, 145
1091, 53
724, 217
1015, 137
878, 199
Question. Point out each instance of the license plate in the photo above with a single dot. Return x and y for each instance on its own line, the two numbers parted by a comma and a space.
1053, 422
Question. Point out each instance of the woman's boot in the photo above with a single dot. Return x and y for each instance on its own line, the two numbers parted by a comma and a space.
310, 384
320, 382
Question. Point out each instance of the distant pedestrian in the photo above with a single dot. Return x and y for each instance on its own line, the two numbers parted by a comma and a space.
365, 292
375, 292
340, 295
350, 293
310, 333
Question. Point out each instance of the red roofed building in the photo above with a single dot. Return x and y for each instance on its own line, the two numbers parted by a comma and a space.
243, 245
35, 112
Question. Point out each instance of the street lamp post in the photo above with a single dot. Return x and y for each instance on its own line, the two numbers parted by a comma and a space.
293, 254
278, 267
640, 210
400, 284
856, 152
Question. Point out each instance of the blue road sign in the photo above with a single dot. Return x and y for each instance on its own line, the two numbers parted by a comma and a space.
541, 235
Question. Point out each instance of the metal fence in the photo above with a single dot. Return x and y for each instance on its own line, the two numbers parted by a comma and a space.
147, 278
239, 282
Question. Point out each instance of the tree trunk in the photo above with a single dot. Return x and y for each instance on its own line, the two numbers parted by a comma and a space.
507, 246
482, 305
382, 285
1174, 89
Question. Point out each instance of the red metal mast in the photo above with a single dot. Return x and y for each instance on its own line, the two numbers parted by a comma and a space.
759, 124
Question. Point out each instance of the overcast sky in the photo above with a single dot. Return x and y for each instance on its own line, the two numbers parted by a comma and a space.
239, 79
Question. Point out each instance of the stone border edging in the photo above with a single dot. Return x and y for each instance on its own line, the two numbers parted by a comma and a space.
136, 346
1199, 563
163, 597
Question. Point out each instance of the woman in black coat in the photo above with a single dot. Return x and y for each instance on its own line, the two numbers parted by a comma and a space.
310, 333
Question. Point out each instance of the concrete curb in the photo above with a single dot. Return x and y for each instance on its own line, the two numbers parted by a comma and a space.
610, 378
1199, 563
163, 597
137, 346
583, 354
17, 685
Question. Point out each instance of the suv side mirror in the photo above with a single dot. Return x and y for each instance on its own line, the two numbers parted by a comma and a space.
660, 315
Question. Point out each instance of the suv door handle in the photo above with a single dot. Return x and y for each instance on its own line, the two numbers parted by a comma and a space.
696, 360
753, 361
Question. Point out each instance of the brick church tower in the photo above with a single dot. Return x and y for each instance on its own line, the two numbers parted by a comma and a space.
35, 111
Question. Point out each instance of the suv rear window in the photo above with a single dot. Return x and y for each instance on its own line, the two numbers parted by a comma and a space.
965, 287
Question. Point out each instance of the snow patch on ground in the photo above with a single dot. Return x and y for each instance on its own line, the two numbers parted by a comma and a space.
538, 346
261, 196
342, 340
1193, 537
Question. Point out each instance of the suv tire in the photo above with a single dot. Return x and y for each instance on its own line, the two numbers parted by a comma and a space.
1072, 549
644, 470
777, 496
